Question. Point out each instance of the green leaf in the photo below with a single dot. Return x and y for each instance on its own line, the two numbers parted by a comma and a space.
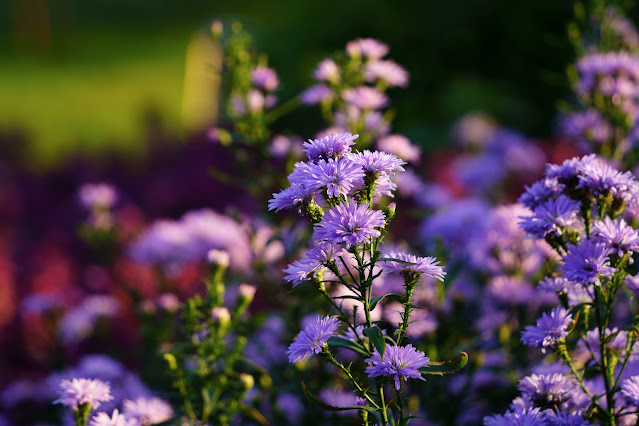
391, 259
448, 367
376, 336
348, 344
391, 296
327, 407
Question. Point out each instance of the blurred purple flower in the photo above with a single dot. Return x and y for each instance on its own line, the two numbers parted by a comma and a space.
316, 94
387, 71
265, 78
97, 195
83, 391
365, 97
401, 147
367, 47
148, 411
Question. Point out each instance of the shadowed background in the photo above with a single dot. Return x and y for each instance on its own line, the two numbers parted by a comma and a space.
97, 76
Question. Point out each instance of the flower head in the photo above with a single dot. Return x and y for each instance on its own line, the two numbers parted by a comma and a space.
525, 417
117, 419
148, 411
367, 47
265, 78
630, 390
83, 391
365, 97
350, 223
550, 328
388, 71
586, 261
100, 195
399, 362
552, 217
337, 176
617, 235
400, 146
316, 94
333, 146
554, 391
428, 266
378, 162
312, 339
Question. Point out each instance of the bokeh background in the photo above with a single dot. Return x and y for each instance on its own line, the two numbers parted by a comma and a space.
103, 76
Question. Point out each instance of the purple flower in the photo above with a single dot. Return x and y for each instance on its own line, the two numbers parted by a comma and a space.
586, 261
367, 47
554, 418
365, 97
97, 195
570, 168
290, 197
525, 417
600, 178
540, 192
555, 284
337, 176
400, 146
549, 391
327, 70
333, 146
378, 162
630, 390
314, 261
388, 71
428, 266
617, 235
587, 127
350, 223
117, 419
552, 217
148, 411
632, 281
399, 362
550, 328
265, 78
474, 130
312, 339
316, 94
83, 391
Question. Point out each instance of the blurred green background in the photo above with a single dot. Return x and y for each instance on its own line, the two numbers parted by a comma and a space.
89, 76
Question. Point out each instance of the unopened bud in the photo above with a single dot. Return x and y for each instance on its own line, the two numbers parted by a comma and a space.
219, 258
247, 380
246, 293
389, 211
221, 316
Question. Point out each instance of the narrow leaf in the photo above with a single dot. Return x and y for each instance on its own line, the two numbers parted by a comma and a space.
375, 335
341, 342
391, 296
448, 367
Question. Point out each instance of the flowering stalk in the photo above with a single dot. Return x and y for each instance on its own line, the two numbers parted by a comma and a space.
346, 188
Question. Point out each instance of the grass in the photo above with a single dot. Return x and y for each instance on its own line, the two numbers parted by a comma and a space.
95, 95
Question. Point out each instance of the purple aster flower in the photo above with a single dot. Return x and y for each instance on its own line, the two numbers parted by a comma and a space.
333, 146
388, 71
587, 127
400, 146
291, 407
350, 223
327, 70
312, 339
337, 398
549, 391
293, 196
83, 391
570, 168
365, 97
117, 419
525, 417
601, 178
630, 390
586, 261
428, 266
148, 411
555, 284
97, 195
316, 94
617, 235
509, 290
540, 192
313, 261
554, 418
265, 78
399, 362
367, 47
612, 73
378, 162
337, 176
552, 217
480, 173
550, 328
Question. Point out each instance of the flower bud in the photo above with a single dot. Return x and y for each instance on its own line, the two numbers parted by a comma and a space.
219, 258
221, 316
247, 380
